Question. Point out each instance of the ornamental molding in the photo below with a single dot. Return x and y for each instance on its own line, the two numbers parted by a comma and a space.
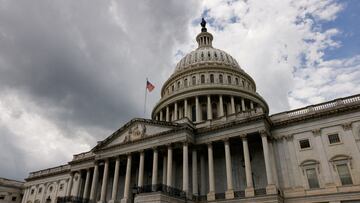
135, 133
347, 126
316, 132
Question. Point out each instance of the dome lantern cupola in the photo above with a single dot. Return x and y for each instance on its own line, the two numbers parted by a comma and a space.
208, 84
204, 39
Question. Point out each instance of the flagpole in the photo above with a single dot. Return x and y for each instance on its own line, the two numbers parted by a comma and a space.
145, 97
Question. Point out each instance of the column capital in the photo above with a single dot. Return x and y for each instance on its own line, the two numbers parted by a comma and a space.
186, 143
168, 145
141, 151
226, 139
316, 132
155, 148
289, 137
263, 133
209, 144
243, 136
347, 126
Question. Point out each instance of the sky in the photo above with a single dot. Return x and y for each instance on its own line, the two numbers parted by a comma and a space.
73, 72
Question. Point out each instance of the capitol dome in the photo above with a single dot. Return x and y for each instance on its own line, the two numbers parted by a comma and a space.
207, 84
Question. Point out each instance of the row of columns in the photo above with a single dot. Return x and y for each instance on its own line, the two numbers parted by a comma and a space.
167, 172
185, 112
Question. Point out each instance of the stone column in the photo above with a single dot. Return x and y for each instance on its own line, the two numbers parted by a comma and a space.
232, 104
155, 169
251, 105
169, 167
185, 168
229, 194
167, 114
69, 186
194, 173
270, 188
221, 106
186, 113
202, 175
164, 181
94, 183
211, 194
209, 109
104, 182
197, 108
141, 169
87, 184
126, 198
77, 188
249, 190
176, 111
326, 173
161, 115
243, 104
115, 181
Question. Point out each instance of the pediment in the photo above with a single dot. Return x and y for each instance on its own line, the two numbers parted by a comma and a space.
135, 130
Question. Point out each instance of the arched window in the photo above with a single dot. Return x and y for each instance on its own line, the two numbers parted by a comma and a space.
229, 79
237, 81
194, 80
203, 112
178, 84
202, 79
185, 82
214, 110
193, 113
221, 79
172, 88
211, 78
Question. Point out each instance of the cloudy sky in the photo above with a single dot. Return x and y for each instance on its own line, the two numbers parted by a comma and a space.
72, 72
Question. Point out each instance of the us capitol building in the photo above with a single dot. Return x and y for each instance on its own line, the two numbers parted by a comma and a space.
211, 139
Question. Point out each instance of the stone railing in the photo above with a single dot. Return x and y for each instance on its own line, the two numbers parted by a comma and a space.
84, 155
49, 171
313, 109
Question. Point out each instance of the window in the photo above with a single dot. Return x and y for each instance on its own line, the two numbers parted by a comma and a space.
61, 186
211, 78
229, 79
13, 199
304, 144
40, 190
344, 174
237, 81
2, 197
220, 79
185, 82
193, 80
172, 88
50, 188
334, 138
202, 79
178, 84
32, 191
312, 178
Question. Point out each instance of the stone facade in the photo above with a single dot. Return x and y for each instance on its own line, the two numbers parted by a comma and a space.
211, 139
11, 191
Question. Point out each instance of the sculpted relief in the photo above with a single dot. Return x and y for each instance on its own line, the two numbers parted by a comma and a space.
136, 132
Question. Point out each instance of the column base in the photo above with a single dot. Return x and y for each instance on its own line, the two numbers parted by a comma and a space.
210, 196
125, 200
271, 189
229, 194
113, 201
101, 201
249, 192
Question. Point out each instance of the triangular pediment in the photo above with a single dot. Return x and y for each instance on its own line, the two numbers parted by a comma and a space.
135, 130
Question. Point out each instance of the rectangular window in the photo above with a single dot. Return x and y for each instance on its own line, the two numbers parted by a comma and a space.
312, 178
334, 138
13, 199
61, 186
304, 144
344, 174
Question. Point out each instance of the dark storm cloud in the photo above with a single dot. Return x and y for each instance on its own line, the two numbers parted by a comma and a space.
85, 62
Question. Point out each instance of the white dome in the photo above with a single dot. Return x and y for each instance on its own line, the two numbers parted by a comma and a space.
205, 55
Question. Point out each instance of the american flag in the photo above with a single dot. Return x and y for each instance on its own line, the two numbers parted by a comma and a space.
149, 86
